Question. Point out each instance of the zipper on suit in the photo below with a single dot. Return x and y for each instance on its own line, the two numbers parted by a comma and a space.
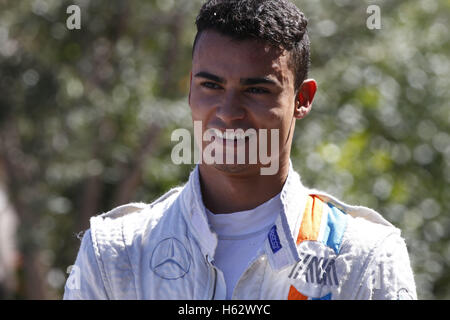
214, 277
214, 284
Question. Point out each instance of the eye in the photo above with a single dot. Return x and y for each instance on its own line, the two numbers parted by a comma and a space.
256, 90
210, 85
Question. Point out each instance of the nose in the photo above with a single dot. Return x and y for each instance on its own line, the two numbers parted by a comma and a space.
230, 109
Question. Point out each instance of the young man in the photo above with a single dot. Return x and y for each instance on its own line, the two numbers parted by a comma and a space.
232, 232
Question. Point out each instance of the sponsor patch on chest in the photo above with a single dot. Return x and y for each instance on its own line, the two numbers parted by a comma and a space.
317, 272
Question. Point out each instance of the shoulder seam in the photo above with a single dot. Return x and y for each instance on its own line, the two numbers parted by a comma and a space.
100, 264
354, 211
165, 196
136, 206
372, 254
119, 210
88, 232
128, 257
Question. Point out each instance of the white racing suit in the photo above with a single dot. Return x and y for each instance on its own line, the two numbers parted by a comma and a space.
319, 248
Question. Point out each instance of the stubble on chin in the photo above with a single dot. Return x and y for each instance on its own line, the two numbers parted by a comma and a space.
232, 168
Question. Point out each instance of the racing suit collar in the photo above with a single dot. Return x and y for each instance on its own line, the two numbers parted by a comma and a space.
281, 252
293, 199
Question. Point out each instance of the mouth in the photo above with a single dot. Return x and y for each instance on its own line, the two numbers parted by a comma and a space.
234, 135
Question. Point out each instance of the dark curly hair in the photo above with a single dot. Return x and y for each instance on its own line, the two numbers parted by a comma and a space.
277, 22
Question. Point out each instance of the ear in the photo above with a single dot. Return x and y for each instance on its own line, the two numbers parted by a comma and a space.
304, 99
190, 86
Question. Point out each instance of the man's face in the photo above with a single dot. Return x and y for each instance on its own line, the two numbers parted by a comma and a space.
242, 85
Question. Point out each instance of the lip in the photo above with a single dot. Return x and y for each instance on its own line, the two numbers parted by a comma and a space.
235, 135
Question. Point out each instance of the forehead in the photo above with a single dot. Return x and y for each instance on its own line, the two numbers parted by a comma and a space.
222, 54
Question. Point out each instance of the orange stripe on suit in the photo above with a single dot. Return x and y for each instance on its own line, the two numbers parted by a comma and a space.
294, 294
312, 218
309, 230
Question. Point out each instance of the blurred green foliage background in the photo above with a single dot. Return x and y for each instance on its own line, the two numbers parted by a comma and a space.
86, 117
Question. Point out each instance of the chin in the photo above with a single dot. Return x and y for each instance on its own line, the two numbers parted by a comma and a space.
235, 168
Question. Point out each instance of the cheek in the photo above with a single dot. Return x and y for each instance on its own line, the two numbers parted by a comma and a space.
274, 118
200, 105
279, 115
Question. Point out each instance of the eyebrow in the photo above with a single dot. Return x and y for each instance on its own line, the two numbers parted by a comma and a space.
210, 76
255, 81
245, 82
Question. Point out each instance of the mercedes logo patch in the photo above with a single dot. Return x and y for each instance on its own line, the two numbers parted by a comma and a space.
170, 259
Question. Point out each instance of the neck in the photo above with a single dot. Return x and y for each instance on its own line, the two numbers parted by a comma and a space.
226, 193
